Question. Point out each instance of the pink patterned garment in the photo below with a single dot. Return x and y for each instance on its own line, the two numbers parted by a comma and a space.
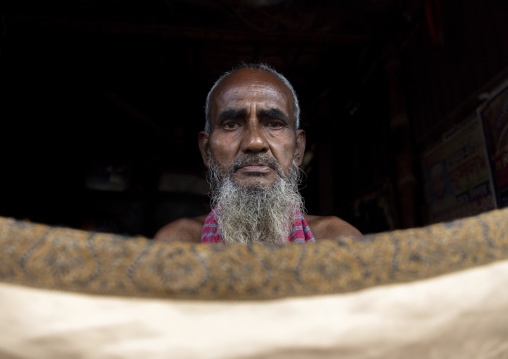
300, 232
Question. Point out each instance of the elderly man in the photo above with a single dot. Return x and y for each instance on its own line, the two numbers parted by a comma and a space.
252, 146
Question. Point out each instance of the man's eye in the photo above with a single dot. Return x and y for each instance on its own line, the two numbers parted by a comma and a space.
275, 124
231, 125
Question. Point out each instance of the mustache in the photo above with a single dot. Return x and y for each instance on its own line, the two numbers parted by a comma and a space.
253, 160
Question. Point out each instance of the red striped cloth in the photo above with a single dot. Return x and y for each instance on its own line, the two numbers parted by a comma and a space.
300, 232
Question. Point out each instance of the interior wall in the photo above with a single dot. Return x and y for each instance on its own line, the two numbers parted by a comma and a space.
447, 66
458, 50
440, 77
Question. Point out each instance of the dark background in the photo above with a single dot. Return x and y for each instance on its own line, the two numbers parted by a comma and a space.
102, 99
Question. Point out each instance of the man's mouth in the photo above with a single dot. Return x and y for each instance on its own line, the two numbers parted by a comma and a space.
255, 168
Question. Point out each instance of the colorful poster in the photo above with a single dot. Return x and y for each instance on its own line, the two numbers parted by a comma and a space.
495, 120
458, 181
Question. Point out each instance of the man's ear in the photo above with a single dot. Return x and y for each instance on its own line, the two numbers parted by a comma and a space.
301, 140
203, 138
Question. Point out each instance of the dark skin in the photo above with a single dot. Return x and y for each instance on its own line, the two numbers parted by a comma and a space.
251, 112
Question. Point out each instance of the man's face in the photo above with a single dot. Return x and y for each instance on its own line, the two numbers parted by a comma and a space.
252, 127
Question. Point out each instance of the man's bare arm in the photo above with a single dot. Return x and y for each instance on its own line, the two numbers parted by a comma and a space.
330, 227
182, 230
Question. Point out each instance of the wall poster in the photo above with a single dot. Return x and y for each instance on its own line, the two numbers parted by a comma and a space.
494, 115
457, 175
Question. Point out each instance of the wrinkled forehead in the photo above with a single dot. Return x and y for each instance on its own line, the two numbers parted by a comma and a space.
252, 85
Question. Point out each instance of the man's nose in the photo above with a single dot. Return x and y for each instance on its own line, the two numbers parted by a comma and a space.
254, 139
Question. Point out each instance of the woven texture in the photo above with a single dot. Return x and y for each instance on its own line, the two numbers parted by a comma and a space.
98, 263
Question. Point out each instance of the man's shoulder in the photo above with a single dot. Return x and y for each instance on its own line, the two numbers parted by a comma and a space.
182, 230
324, 227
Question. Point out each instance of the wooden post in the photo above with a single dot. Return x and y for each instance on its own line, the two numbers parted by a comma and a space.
403, 146
325, 175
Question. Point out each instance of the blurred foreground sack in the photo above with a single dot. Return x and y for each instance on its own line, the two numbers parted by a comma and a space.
434, 292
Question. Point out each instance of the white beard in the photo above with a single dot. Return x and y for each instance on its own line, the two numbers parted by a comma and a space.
255, 214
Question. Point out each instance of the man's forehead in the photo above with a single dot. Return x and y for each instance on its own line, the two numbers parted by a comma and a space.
247, 84
247, 75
